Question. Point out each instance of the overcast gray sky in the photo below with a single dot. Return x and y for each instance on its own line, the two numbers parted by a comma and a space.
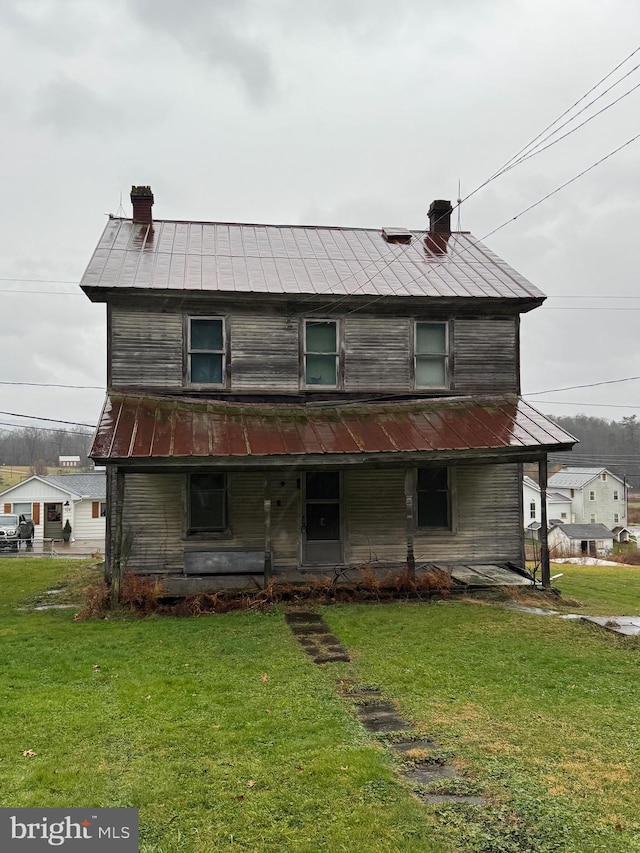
329, 112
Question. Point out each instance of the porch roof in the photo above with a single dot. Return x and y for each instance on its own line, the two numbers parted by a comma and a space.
184, 430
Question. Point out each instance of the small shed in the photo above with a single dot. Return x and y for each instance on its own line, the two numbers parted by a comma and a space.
574, 540
50, 501
621, 534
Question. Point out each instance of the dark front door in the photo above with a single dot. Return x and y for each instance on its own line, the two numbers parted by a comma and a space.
53, 521
322, 521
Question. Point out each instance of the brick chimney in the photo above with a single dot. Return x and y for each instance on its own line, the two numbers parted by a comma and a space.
439, 226
142, 201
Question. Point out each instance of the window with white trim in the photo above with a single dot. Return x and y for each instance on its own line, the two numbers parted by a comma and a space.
592, 520
532, 509
616, 518
563, 515
604, 476
431, 355
321, 353
434, 497
207, 503
206, 351
615, 495
103, 509
23, 509
592, 496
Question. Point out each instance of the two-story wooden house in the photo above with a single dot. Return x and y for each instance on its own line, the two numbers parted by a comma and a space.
291, 399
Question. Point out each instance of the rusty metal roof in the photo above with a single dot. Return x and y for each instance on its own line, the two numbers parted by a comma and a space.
215, 257
161, 428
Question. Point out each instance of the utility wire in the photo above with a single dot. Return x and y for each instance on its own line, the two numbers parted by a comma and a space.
586, 385
538, 150
54, 385
52, 420
45, 429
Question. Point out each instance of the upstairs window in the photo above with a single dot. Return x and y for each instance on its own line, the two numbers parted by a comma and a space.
207, 503
434, 501
532, 509
615, 495
592, 496
616, 518
206, 350
431, 355
604, 476
321, 353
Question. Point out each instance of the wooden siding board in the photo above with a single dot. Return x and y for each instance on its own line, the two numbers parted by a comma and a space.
146, 349
376, 353
487, 518
264, 352
486, 355
153, 518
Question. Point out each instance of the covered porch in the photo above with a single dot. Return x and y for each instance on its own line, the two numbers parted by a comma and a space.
209, 494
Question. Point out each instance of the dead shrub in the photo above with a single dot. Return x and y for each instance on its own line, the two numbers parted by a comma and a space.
629, 558
97, 596
143, 595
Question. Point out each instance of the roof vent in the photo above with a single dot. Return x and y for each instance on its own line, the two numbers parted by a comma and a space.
142, 201
396, 235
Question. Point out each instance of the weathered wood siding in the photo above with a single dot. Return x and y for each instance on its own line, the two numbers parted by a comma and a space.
487, 517
147, 352
486, 509
146, 349
154, 518
486, 355
377, 353
264, 352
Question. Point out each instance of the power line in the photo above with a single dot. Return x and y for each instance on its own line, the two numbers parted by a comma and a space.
52, 420
586, 385
561, 187
40, 292
40, 280
54, 385
537, 150
598, 405
45, 429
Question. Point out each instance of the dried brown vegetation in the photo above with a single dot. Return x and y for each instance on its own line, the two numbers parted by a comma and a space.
143, 595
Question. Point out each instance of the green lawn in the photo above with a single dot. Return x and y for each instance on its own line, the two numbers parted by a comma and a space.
603, 590
227, 737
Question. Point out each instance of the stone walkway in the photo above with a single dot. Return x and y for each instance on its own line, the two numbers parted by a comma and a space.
422, 765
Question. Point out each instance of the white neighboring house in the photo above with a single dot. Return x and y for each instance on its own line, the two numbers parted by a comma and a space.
597, 496
573, 540
558, 506
52, 500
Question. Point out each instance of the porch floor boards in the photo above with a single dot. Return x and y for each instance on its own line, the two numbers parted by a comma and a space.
462, 575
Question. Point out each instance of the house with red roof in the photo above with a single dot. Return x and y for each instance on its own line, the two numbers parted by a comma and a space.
286, 400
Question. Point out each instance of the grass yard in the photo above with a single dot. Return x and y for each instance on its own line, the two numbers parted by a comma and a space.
227, 737
603, 590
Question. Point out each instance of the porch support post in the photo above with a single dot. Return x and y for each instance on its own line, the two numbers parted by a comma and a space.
409, 483
116, 575
268, 567
544, 539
